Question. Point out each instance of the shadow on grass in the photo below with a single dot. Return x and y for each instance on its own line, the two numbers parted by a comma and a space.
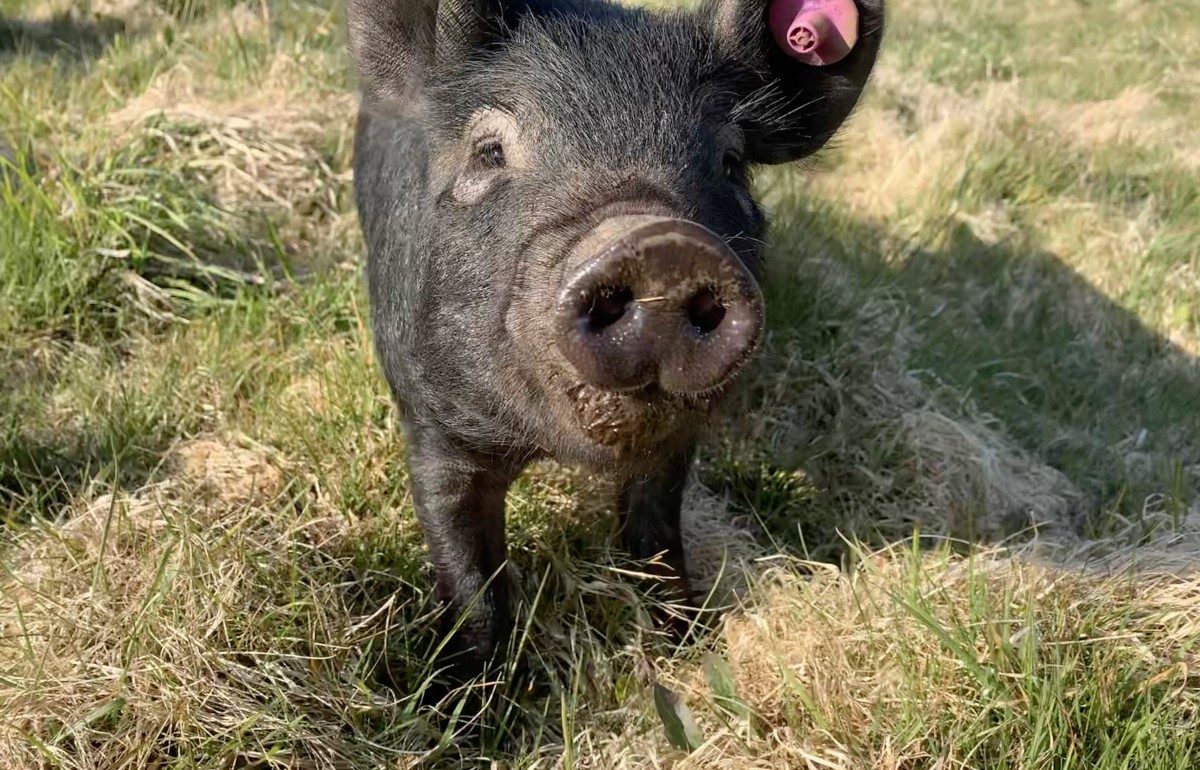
1001, 334
1078, 379
77, 37
60, 447
70, 39
44, 476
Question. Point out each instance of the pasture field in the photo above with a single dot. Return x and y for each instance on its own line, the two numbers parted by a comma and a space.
955, 522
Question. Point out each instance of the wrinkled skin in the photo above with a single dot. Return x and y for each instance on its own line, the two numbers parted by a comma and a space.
493, 139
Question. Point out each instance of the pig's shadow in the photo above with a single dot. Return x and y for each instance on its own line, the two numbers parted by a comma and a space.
1070, 375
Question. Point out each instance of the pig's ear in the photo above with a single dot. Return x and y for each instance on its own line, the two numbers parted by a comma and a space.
394, 42
790, 109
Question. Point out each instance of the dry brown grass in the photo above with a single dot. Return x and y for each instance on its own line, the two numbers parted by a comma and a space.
907, 152
229, 603
137, 615
233, 473
142, 614
256, 155
908, 145
1135, 118
891, 452
855, 669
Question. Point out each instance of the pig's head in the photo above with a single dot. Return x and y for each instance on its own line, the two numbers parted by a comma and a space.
588, 204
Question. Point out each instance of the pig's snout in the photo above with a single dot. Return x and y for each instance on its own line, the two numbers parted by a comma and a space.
661, 302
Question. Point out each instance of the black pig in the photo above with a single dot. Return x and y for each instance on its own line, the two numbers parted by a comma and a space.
563, 247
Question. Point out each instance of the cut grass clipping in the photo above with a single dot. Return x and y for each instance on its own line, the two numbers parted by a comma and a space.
954, 522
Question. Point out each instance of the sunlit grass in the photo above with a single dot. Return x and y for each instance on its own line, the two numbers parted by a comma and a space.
951, 524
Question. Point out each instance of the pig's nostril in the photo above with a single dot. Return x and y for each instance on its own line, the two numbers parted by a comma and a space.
705, 311
666, 303
608, 306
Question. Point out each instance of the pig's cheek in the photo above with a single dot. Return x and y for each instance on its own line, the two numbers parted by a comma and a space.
470, 188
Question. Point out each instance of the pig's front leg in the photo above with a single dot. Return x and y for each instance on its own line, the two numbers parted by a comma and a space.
650, 512
459, 499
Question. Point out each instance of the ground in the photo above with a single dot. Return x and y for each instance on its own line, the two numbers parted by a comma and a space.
954, 524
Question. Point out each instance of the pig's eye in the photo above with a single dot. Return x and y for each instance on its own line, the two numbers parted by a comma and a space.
489, 155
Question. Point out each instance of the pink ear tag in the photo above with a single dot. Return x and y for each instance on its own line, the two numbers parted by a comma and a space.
817, 32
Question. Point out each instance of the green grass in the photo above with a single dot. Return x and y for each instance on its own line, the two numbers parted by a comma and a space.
983, 322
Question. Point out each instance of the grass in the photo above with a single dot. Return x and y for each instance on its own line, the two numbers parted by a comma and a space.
954, 525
